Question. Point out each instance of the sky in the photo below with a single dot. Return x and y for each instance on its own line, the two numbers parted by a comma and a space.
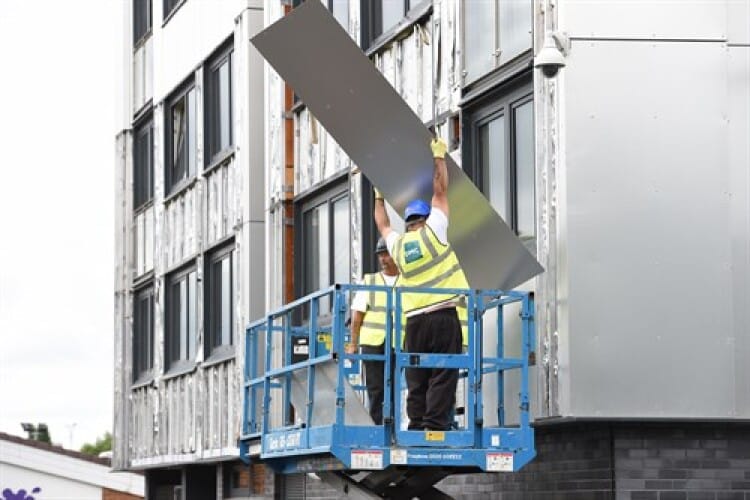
57, 131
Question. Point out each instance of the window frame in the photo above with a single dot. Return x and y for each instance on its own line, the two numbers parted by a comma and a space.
145, 124
173, 363
167, 14
502, 101
212, 351
174, 185
328, 193
211, 113
139, 38
143, 373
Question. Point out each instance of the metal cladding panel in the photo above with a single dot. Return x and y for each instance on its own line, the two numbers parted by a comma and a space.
738, 22
386, 140
648, 210
673, 19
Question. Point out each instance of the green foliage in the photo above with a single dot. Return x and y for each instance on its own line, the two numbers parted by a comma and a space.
103, 443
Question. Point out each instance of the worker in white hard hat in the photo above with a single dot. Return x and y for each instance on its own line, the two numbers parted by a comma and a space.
368, 328
425, 259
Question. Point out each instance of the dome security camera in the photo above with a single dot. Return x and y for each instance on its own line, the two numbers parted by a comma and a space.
550, 58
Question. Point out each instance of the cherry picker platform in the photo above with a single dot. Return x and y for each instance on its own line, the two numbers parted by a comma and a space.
304, 405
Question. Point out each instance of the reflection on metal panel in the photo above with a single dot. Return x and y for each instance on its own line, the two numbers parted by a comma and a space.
386, 140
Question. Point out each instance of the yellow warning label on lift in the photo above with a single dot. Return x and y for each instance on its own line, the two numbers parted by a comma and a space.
325, 339
434, 435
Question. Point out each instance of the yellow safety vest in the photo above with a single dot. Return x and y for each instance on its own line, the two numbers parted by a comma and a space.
373, 326
424, 261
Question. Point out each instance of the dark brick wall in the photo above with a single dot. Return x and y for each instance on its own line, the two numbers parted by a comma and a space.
673, 461
572, 462
619, 461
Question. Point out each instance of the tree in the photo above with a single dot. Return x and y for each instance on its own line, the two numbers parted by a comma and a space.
103, 443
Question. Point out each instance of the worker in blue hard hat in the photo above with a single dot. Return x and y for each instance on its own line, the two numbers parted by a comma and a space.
425, 259
368, 328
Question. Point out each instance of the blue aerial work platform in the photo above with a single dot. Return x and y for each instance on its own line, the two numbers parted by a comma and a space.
303, 400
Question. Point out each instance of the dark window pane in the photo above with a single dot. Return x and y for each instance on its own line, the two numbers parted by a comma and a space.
191, 133
179, 127
226, 301
169, 6
524, 148
223, 106
494, 164
141, 19
181, 317
341, 242
143, 165
190, 319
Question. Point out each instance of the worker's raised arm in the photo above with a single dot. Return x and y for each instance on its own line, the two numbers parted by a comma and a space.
382, 221
440, 176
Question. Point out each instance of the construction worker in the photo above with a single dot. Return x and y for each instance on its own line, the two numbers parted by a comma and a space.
368, 328
425, 259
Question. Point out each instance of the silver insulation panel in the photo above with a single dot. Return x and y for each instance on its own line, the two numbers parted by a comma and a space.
387, 140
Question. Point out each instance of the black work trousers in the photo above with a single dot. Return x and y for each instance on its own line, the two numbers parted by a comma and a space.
375, 381
432, 391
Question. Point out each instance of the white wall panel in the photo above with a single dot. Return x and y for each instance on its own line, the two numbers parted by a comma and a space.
672, 19
198, 27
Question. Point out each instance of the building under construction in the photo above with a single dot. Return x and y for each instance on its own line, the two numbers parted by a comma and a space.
623, 167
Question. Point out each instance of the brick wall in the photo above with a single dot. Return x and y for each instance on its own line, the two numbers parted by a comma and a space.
619, 461
118, 495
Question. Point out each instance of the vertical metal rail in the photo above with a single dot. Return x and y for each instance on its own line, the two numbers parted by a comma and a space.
337, 344
500, 373
266, 378
312, 353
527, 318
388, 415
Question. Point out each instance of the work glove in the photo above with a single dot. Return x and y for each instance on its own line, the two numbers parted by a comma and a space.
378, 194
439, 148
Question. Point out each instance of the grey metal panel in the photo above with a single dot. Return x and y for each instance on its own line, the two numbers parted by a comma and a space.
648, 211
324, 409
675, 19
738, 18
386, 140
739, 181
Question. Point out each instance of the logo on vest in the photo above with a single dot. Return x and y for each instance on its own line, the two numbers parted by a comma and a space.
412, 251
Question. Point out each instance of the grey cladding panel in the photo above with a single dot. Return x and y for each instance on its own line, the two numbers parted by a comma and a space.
388, 142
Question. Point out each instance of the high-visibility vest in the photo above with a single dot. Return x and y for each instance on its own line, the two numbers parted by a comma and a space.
424, 261
372, 331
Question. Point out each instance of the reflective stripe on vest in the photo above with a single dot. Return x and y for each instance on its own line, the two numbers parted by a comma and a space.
424, 261
372, 331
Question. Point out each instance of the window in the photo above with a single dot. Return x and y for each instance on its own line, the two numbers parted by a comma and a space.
143, 334
143, 162
219, 302
180, 319
325, 243
384, 15
500, 147
180, 138
170, 6
495, 31
218, 106
141, 20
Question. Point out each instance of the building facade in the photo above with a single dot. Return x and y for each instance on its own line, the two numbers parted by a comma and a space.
627, 174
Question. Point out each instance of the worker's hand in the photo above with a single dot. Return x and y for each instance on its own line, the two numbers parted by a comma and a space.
350, 348
378, 194
439, 148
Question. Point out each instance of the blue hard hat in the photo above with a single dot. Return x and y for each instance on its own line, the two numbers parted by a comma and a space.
416, 208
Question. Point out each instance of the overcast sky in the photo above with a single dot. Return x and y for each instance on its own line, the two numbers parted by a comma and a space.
57, 126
